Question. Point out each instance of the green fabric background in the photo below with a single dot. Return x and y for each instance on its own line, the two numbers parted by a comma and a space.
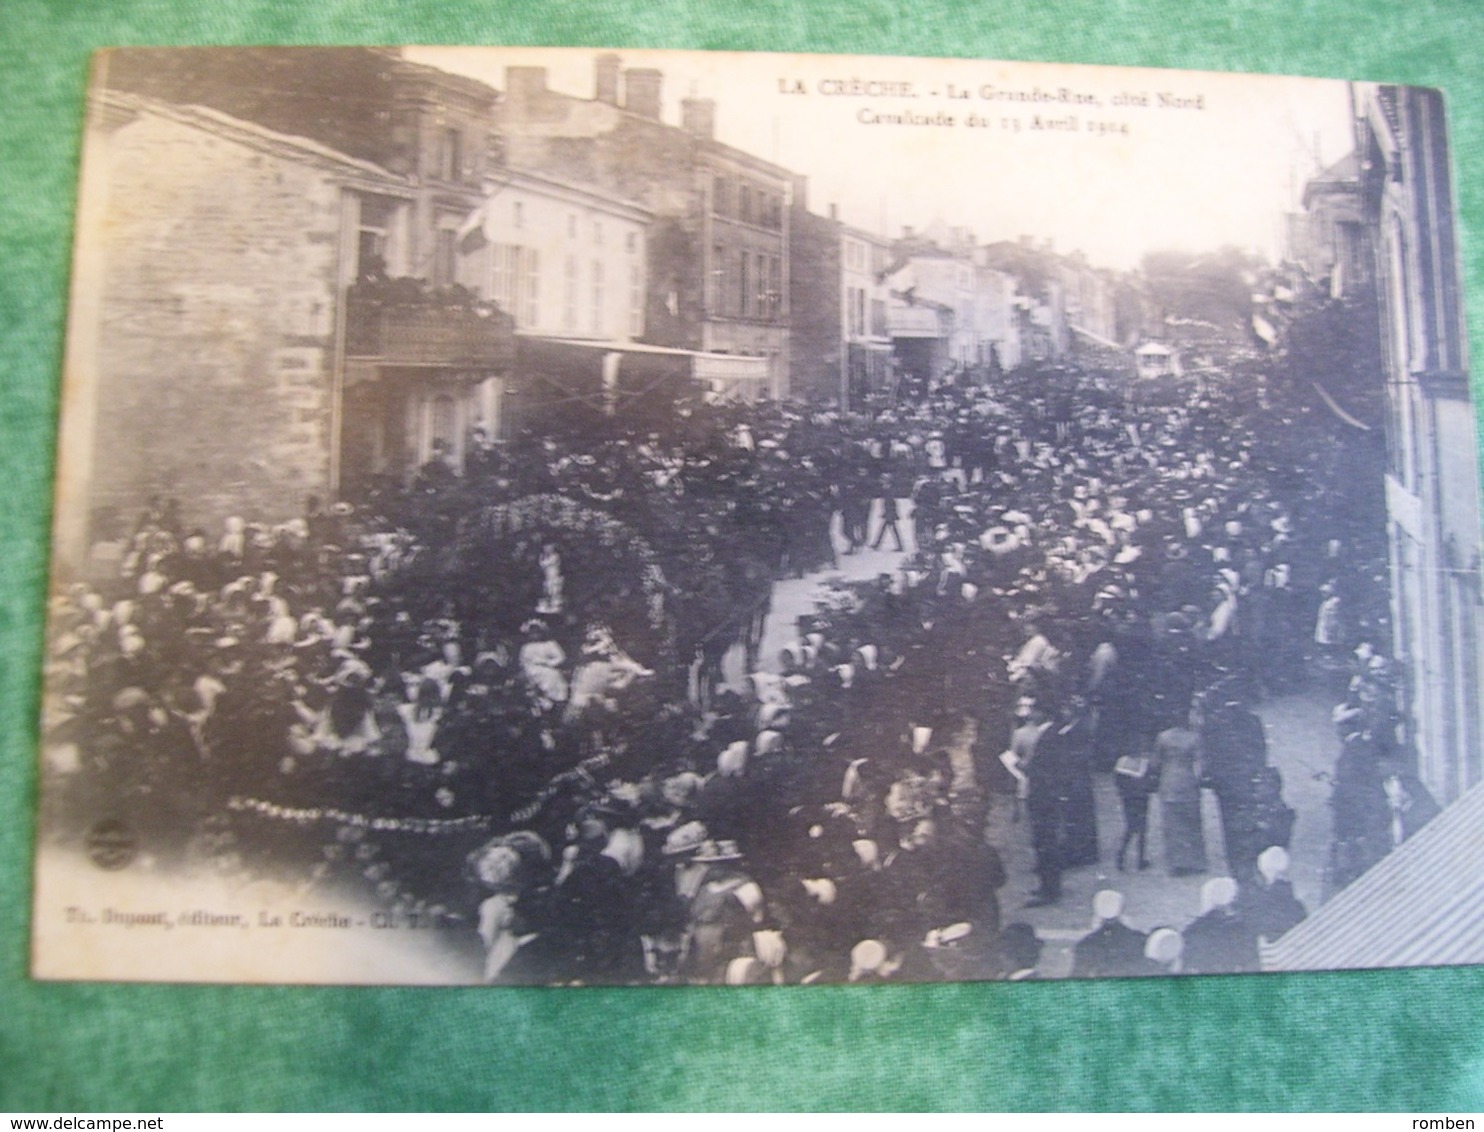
1398, 1041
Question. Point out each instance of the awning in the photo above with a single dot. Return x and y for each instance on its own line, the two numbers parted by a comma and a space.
914, 322
606, 376
734, 377
1421, 905
612, 376
1091, 336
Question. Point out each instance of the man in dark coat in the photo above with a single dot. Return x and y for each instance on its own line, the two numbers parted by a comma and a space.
889, 516
1234, 751
1051, 775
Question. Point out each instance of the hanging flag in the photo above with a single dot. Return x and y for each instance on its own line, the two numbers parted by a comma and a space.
471, 235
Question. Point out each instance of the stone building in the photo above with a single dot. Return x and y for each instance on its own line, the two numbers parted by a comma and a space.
275, 303
204, 359
1042, 323
429, 127
931, 304
842, 353
1091, 303
719, 246
1327, 238
996, 318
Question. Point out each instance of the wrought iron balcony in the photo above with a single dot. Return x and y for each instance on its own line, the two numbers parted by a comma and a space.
432, 333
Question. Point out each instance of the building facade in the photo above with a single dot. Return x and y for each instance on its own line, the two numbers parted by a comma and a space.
1432, 481
207, 358
930, 313
719, 248
1042, 324
1327, 238
415, 347
996, 319
426, 347
1091, 305
842, 353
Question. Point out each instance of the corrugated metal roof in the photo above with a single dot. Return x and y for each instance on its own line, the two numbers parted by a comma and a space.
1422, 905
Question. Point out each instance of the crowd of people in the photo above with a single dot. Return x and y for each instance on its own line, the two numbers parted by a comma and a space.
496, 695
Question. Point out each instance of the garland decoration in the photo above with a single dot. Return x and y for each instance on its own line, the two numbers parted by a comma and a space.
592, 543
307, 815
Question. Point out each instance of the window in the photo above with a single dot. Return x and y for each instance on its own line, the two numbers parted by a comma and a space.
762, 303
371, 237
530, 287
744, 209
443, 424
744, 300
636, 300
569, 300
718, 279
720, 196
518, 215
631, 242
572, 226
445, 258
370, 253
502, 281
598, 233
771, 215
451, 155
515, 282
597, 312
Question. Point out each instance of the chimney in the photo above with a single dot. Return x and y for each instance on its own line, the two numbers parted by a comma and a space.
834, 211
642, 92
801, 192
906, 231
698, 117
522, 86
607, 79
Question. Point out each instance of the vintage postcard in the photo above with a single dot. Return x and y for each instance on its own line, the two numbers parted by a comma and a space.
574, 517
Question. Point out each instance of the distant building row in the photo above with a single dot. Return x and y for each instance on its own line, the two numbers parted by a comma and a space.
347, 264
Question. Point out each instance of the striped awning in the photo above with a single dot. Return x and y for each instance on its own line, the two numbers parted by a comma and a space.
1422, 905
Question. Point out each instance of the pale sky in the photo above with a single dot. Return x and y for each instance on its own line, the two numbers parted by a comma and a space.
1218, 167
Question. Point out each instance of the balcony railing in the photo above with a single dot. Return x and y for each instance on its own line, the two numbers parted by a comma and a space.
399, 334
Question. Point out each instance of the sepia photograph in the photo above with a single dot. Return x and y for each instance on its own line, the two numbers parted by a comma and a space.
566, 517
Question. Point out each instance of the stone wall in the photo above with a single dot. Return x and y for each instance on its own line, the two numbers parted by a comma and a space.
215, 354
